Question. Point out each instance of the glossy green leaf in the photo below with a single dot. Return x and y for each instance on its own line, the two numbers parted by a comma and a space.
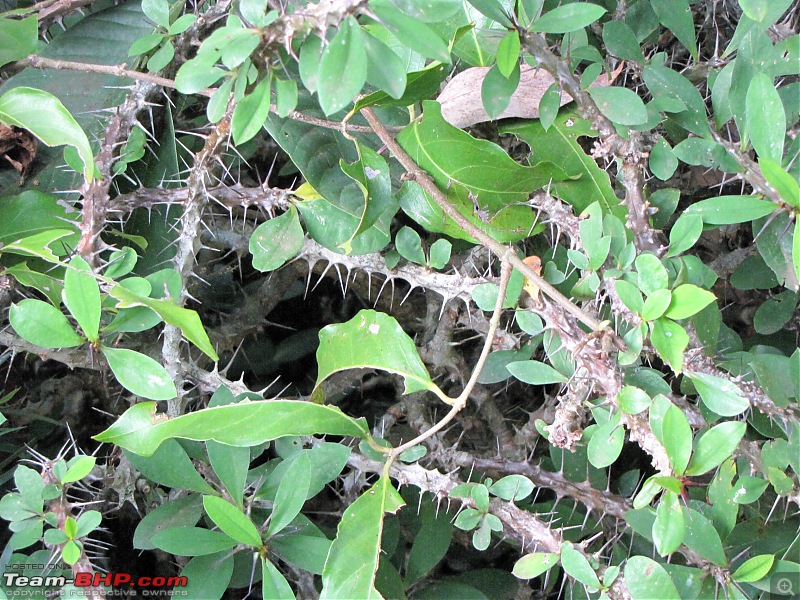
715, 446
656, 304
766, 119
170, 466
632, 400
719, 395
684, 233
439, 254
754, 568
358, 542
79, 467
19, 37
647, 579
676, 15
493, 10
181, 512
385, 69
488, 196
82, 296
431, 11
688, 300
43, 324
676, 436
669, 527
157, 11
342, 67
666, 83
576, 565
508, 54
285, 96
250, 113
291, 494
568, 17
512, 488
304, 551
231, 521
703, 538
187, 320
662, 160
619, 104
376, 340
533, 565
630, 295
416, 35
620, 40
535, 372
778, 178
652, 274
727, 210
273, 583
606, 444
670, 340
496, 90
230, 464
192, 541
140, 374
277, 241
207, 577
24, 107
409, 245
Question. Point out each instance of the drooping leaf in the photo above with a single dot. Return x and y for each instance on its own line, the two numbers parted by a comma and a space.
669, 527
358, 542
416, 35
141, 430
385, 69
533, 565
140, 374
376, 340
273, 583
676, 15
535, 372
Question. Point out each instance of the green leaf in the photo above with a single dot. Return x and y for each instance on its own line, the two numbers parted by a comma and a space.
181, 512
619, 104
447, 153
141, 430
310, 54
358, 542
376, 340
162, 57
766, 119
676, 15
676, 436
703, 538
632, 400
630, 295
656, 304
196, 75
170, 466
230, 463
409, 245
416, 35
727, 210
277, 241
285, 96
796, 249
342, 67
82, 296
576, 565
670, 340
533, 565
291, 495
647, 579
512, 488
778, 178
662, 160
19, 37
496, 90
187, 320
385, 69
652, 274
719, 395
684, 233
207, 577
157, 11
79, 467
251, 113
45, 117
508, 54
754, 569
43, 324
715, 446
273, 583
140, 374
88, 522
492, 9
688, 300
668, 84
192, 541
439, 254
535, 372
232, 521
620, 41
569, 17
669, 527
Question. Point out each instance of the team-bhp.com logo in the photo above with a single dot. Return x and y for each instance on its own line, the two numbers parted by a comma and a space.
17, 584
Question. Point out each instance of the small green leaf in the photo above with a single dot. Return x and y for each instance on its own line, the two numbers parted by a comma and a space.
656, 304
719, 395
71, 552
208, 576
181, 512
372, 339
619, 104
232, 521
508, 53
277, 241
728, 210
670, 340
24, 107
285, 96
535, 372
796, 249
684, 233
512, 488
632, 400
662, 160
157, 11
218, 103
385, 69
358, 542
492, 9
754, 569
82, 296
79, 467
576, 565
88, 522
416, 35
652, 274
192, 541
291, 494
676, 15
620, 41
549, 105
533, 565
439, 254
196, 75
606, 444
146, 43
647, 579
715, 446
766, 118
43, 324
19, 37
688, 300
783, 183
630, 295
181, 24
140, 374
161, 57
409, 245
251, 113
170, 466
273, 583
310, 54
342, 67
568, 17
676, 436
230, 463
669, 527
496, 90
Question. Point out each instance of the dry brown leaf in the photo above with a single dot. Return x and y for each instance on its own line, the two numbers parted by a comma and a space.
461, 98
17, 146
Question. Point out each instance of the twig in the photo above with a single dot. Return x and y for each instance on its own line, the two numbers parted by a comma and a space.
505, 253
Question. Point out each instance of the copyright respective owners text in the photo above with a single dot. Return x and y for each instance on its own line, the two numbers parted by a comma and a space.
785, 586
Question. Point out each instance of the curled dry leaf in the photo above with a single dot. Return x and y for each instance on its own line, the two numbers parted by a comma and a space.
535, 263
17, 146
462, 105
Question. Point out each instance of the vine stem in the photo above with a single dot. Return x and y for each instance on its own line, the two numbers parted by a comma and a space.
40, 62
505, 253
460, 402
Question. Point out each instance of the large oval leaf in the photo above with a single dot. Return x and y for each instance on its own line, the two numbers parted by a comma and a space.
342, 68
82, 296
372, 340
141, 430
140, 374
43, 324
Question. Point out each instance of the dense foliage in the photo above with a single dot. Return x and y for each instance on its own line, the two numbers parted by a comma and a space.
402, 298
